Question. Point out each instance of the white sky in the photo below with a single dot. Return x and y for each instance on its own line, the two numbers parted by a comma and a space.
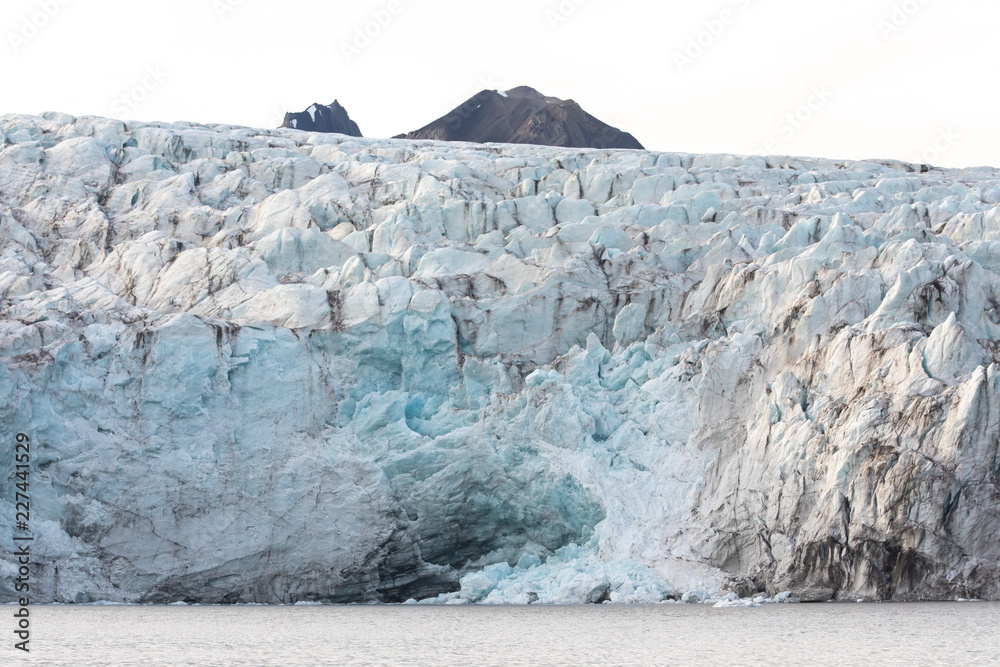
892, 94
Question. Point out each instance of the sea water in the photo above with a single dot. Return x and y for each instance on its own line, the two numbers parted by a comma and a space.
797, 634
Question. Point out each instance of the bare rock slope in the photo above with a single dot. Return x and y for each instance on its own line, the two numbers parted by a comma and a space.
524, 116
321, 118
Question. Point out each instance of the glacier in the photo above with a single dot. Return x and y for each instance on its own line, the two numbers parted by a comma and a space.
272, 366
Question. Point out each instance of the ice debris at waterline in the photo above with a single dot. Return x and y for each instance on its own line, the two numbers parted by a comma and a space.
273, 366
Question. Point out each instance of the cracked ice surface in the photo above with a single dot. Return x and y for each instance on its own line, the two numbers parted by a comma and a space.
272, 366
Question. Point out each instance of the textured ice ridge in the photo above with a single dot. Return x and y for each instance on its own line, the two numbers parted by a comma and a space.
273, 366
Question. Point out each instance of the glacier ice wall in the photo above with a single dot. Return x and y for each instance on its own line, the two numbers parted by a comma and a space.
272, 366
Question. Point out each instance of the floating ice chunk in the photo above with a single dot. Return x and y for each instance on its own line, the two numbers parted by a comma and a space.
573, 575
731, 604
695, 597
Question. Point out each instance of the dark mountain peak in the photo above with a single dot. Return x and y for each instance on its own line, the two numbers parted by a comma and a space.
523, 115
524, 92
322, 118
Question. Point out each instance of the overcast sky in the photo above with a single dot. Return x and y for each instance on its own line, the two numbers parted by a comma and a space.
907, 79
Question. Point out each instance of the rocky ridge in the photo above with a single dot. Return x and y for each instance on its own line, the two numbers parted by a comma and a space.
524, 116
321, 118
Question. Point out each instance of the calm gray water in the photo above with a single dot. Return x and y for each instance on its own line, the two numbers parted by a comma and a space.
825, 634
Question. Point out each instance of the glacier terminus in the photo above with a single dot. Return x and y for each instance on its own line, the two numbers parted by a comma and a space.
273, 366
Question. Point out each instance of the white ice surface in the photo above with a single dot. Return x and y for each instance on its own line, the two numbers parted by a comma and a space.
267, 366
